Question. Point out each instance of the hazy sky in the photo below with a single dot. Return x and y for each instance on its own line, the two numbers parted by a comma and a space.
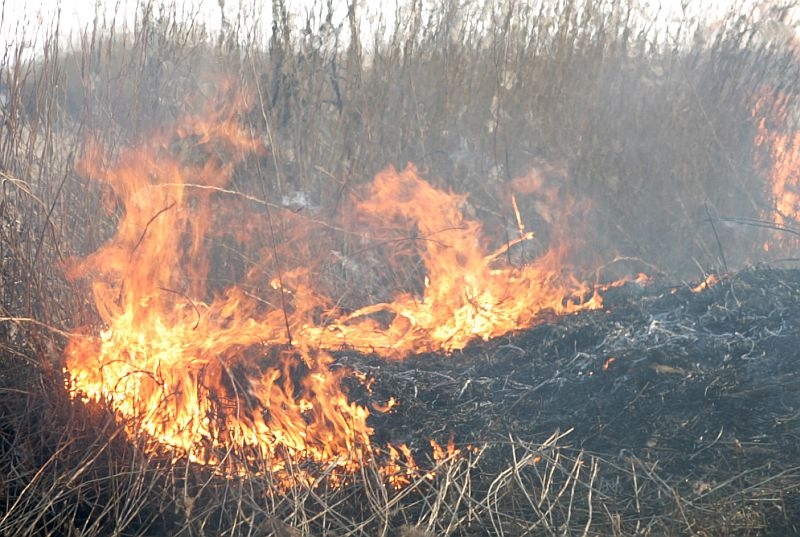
31, 20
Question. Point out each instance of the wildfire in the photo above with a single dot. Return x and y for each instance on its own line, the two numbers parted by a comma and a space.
465, 295
239, 375
778, 151
209, 376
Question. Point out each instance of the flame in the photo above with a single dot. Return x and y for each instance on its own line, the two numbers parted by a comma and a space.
239, 375
778, 151
468, 293
210, 377
441, 454
391, 404
710, 281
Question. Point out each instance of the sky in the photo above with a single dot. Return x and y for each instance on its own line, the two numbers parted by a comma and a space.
31, 20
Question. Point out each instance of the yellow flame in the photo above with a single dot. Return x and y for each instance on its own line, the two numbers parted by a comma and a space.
241, 376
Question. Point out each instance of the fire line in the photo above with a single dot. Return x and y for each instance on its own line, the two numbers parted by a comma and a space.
209, 372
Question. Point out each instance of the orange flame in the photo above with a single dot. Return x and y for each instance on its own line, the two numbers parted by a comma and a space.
467, 293
778, 151
240, 376
710, 281
207, 376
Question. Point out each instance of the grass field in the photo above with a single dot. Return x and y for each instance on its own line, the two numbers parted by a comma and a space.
652, 132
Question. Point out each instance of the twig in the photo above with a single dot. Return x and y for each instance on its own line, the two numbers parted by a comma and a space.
716, 237
37, 323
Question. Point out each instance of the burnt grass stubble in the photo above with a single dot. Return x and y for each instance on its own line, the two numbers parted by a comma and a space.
697, 388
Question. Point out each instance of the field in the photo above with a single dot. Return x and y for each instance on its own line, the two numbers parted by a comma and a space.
289, 236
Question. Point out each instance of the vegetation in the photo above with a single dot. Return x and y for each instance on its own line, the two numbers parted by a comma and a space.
654, 126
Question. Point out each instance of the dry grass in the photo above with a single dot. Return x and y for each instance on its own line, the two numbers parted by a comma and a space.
656, 132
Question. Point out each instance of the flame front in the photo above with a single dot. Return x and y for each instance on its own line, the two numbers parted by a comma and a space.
240, 374
467, 293
778, 151
210, 377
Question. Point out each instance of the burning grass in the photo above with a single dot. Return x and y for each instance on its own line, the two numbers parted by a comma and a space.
197, 370
692, 427
258, 338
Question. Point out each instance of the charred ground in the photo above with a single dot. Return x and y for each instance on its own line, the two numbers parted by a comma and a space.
696, 390
691, 429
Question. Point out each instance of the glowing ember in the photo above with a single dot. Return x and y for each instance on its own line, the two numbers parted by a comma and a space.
238, 376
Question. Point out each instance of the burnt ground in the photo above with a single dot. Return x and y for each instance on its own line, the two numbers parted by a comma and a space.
668, 413
682, 409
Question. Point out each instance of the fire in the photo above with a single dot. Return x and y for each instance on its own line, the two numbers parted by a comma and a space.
778, 151
239, 375
208, 376
710, 281
468, 293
